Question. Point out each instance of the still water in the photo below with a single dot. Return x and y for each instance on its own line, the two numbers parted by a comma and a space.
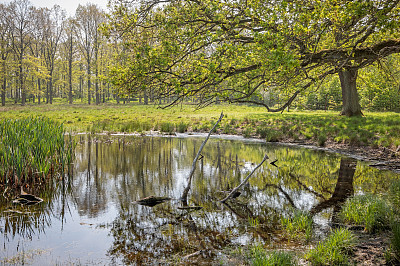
93, 219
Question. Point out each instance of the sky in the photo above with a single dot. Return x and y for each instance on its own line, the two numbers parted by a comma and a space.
68, 5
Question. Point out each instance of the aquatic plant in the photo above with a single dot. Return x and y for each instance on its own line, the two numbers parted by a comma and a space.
260, 257
298, 226
367, 210
334, 249
33, 149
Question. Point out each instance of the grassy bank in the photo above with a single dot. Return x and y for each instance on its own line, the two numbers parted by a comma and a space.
319, 127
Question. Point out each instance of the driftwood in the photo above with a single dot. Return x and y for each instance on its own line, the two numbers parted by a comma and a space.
152, 201
235, 190
186, 190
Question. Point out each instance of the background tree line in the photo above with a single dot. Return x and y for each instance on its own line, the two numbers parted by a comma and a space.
46, 55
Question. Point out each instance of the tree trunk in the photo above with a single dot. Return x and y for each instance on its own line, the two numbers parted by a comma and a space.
146, 98
39, 90
70, 80
89, 81
21, 83
50, 84
351, 102
3, 92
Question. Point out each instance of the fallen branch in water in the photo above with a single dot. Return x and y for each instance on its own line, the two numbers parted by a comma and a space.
151, 201
186, 191
244, 181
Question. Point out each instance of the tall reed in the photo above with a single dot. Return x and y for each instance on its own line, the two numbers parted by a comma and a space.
33, 149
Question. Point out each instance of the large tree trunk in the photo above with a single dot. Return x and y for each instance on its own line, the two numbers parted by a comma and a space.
351, 102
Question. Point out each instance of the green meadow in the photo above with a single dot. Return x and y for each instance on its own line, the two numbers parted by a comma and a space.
319, 127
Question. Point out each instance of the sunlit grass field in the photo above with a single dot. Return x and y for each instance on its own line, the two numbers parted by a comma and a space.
373, 129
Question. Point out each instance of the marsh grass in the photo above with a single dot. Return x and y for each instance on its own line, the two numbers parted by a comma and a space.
334, 250
370, 211
298, 227
261, 257
33, 149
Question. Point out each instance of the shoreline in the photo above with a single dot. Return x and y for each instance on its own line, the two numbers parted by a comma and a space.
380, 158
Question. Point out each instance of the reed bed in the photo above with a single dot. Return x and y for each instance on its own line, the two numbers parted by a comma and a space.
33, 149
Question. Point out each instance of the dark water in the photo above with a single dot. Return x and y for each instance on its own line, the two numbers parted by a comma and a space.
94, 219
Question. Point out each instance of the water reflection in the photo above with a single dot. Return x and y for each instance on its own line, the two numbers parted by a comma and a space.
111, 173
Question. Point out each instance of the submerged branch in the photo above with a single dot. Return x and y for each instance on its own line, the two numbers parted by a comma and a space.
245, 180
186, 191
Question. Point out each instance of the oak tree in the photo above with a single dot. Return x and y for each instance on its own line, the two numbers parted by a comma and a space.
232, 50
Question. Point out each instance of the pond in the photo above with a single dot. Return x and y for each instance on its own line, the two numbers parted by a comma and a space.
94, 218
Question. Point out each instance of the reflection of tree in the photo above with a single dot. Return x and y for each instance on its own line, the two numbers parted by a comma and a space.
343, 189
90, 191
130, 168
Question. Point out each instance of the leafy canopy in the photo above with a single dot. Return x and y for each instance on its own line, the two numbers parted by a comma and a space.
235, 49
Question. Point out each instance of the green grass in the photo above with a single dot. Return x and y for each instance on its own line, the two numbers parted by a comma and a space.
394, 196
298, 227
33, 149
320, 127
334, 250
395, 241
260, 257
370, 211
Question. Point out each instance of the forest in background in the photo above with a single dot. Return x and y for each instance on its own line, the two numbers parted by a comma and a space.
47, 56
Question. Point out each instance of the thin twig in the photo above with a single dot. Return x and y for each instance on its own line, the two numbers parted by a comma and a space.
186, 191
245, 180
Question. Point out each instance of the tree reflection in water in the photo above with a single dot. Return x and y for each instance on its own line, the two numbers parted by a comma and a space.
112, 172
306, 180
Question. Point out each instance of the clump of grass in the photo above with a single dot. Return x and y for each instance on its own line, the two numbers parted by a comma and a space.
298, 226
394, 195
334, 249
247, 132
32, 149
262, 131
395, 241
167, 127
260, 257
273, 136
370, 211
321, 139
181, 127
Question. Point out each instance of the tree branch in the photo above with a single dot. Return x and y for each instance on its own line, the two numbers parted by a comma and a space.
245, 180
186, 190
